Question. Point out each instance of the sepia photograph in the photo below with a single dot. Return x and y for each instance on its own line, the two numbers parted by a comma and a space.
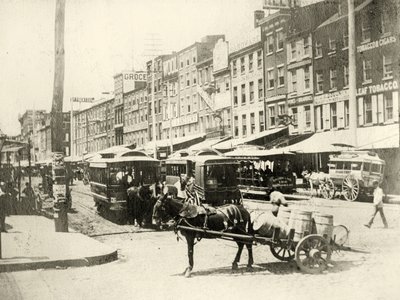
199, 149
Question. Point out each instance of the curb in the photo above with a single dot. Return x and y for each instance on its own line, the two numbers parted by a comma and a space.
60, 263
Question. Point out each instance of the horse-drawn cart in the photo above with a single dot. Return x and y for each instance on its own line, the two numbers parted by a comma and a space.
310, 250
352, 174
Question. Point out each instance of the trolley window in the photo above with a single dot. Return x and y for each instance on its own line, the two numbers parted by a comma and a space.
375, 168
367, 167
98, 175
356, 166
220, 175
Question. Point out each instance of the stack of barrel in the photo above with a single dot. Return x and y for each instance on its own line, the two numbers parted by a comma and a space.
302, 221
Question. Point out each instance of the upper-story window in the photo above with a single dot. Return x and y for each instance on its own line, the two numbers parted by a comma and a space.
294, 118
333, 115
367, 110
187, 79
187, 62
260, 89
318, 49
235, 95
293, 81
281, 76
320, 81
386, 20
345, 75
250, 62
307, 112
194, 59
234, 67
251, 90
279, 40
332, 44
194, 77
387, 66
271, 78
345, 35
271, 113
388, 103
243, 94
306, 46
259, 59
333, 78
367, 69
270, 44
307, 77
365, 28
293, 50
242, 66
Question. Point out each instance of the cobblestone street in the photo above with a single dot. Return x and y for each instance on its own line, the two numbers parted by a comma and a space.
150, 266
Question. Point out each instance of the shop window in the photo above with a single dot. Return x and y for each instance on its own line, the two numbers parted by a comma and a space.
261, 120
279, 40
368, 110
318, 49
333, 109
333, 77
251, 89
365, 28
250, 62
271, 79
367, 68
270, 44
281, 76
388, 103
387, 66
260, 89
272, 117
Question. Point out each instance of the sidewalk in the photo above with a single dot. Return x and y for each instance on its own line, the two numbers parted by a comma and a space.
32, 243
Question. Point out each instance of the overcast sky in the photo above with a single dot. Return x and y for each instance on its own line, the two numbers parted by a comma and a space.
102, 37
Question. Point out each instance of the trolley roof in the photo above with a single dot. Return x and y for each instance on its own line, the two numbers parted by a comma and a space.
121, 157
357, 156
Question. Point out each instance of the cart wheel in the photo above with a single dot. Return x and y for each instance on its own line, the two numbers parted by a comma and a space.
350, 188
282, 253
340, 235
313, 254
328, 189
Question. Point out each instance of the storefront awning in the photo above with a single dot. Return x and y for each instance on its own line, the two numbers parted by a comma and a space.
374, 137
231, 144
11, 149
208, 143
244, 153
175, 141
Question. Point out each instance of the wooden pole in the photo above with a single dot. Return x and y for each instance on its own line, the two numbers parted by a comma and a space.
352, 74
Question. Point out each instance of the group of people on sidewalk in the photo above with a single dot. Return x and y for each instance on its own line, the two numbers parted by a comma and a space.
11, 205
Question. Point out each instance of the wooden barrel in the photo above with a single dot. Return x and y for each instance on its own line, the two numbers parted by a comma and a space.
300, 221
323, 225
284, 214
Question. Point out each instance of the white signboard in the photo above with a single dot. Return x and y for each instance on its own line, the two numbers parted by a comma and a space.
129, 80
220, 56
376, 44
81, 99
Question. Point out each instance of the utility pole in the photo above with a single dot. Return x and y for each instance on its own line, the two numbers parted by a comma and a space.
352, 74
153, 106
57, 132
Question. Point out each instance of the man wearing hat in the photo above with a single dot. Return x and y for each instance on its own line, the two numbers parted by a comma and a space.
4, 207
378, 205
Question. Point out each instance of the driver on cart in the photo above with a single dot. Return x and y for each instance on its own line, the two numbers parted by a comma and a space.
277, 199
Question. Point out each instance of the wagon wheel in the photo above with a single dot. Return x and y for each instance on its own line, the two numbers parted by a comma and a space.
340, 235
350, 188
281, 252
313, 254
328, 189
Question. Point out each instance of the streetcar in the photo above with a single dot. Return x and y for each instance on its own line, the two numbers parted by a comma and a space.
107, 171
207, 175
262, 171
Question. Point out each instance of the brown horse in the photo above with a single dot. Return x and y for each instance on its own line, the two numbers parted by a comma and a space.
228, 218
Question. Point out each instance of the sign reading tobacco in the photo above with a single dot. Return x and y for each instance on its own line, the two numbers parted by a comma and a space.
375, 44
378, 88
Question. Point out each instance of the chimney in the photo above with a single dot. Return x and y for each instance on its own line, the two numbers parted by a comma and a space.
258, 15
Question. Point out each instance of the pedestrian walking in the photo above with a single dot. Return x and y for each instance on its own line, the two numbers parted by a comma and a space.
378, 205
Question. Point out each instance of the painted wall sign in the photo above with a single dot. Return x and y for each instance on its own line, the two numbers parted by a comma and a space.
183, 120
378, 88
300, 100
331, 97
376, 44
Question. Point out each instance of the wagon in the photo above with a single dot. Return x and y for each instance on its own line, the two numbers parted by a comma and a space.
352, 174
310, 249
